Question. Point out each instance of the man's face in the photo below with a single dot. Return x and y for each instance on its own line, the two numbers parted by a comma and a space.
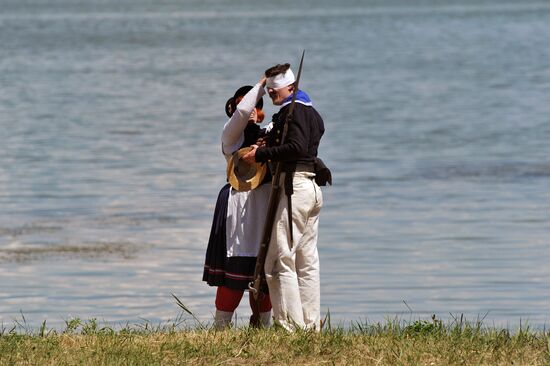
279, 95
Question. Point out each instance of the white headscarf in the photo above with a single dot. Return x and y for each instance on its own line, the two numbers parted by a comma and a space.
281, 80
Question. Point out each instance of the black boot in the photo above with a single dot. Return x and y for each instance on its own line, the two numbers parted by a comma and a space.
254, 321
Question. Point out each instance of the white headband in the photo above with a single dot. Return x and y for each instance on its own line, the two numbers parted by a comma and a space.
280, 80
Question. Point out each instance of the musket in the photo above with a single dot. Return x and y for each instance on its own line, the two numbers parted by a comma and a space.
259, 274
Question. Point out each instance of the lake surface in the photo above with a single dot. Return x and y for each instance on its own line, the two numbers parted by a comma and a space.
437, 132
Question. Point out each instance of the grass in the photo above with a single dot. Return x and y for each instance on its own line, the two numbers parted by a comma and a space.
419, 342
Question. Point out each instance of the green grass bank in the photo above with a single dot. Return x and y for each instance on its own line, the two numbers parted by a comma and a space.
418, 342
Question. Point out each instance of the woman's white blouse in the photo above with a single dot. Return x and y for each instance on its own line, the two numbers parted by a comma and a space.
246, 211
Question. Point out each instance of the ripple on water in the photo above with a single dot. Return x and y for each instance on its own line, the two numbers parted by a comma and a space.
21, 253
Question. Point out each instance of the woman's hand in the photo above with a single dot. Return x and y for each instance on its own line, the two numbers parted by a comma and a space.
262, 81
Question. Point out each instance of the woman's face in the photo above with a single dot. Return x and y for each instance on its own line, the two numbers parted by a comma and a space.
254, 116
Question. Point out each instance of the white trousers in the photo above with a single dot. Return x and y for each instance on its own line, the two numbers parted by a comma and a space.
292, 271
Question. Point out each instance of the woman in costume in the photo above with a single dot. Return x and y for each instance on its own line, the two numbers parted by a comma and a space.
239, 215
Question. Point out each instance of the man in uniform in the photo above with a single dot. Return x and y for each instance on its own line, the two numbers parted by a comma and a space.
292, 262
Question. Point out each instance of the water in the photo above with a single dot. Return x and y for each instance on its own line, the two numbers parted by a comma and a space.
437, 128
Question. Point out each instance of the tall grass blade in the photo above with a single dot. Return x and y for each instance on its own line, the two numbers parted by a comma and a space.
181, 305
42, 331
186, 309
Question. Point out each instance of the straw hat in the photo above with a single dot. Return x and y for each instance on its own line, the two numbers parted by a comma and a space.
243, 176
